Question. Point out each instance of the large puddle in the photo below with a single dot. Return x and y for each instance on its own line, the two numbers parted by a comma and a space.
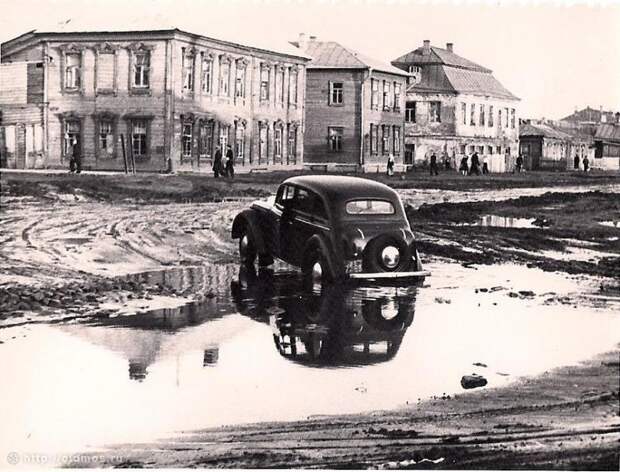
263, 348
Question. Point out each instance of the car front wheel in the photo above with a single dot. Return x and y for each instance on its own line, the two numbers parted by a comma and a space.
247, 248
315, 268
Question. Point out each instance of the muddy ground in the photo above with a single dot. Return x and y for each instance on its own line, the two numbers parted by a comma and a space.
68, 242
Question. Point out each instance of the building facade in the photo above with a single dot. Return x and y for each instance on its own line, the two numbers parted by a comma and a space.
545, 148
454, 108
607, 146
164, 99
354, 109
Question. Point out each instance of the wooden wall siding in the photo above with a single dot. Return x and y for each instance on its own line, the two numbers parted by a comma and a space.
13, 84
34, 83
165, 103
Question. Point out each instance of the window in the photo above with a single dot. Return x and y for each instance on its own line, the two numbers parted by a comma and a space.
240, 141
188, 72
472, 116
281, 88
507, 118
106, 139
464, 112
336, 92
72, 136
223, 139
292, 88
207, 75
374, 95
499, 148
489, 149
374, 139
499, 118
186, 141
397, 96
435, 112
396, 139
410, 111
264, 84
277, 141
386, 95
414, 69
141, 69
491, 117
138, 138
310, 203
369, 207
205, 142
481, 116
240, 82
73, 71
291, 147
262, 142
463, 149
224, 77
285, 195
385, 139
334, 136
105, 71
513, 118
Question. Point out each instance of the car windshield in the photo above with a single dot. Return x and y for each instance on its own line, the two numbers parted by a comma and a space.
369, 207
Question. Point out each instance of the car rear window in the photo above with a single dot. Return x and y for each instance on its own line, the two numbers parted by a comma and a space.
369, 207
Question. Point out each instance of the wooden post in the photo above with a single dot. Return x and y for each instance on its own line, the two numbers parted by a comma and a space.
133, 159
124, 152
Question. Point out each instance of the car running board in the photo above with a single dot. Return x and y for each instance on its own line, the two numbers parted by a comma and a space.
390, 275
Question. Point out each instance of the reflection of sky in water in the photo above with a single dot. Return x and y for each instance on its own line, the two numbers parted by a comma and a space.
67, 386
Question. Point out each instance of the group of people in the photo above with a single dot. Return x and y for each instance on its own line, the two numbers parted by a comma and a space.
224, 168
585, 162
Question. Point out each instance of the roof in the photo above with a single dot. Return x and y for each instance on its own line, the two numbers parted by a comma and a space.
333, 55
590, 115
340, 187
543, 131
608, 132
259, 43
438, 56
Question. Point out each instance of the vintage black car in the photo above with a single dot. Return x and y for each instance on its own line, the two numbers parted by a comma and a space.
333, 228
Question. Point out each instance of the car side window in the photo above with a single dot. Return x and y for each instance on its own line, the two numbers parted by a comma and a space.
310, 203
285, 196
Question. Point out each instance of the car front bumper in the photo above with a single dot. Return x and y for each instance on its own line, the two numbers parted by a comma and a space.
389, 275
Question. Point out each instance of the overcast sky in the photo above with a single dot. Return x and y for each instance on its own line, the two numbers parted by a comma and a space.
555, 58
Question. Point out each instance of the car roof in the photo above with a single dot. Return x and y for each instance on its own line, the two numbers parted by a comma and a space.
342, 187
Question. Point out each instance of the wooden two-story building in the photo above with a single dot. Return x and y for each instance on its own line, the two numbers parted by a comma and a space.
455, 107
169, 96
354, 109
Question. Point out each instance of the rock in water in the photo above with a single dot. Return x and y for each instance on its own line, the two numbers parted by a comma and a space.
473, 381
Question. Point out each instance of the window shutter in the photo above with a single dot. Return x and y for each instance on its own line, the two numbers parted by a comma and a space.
105, 72
331, 93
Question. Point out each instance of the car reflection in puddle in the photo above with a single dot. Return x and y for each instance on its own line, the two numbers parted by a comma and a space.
335, 326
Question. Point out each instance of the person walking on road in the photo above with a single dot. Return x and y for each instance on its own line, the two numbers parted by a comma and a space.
463, 167
576, 162
75, 164
434, 168
390, 165
475, 164
586, 164
519, 165
230, 163
217, 162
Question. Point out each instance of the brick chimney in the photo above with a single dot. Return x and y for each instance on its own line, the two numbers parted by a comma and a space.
450, 47
302, 41
426, 47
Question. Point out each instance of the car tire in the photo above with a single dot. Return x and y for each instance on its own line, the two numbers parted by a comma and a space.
373, 259
315, 267
247, 247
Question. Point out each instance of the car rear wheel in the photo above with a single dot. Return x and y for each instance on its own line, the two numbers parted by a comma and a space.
315, 268
247, 248
387, 254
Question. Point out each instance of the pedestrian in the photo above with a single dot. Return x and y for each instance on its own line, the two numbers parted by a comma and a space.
76, 157
217, 162
434, 168
485, 164
446, 161
519, 165
463, 167
230, 163
475, 164
576, 162
390, 165
586, 164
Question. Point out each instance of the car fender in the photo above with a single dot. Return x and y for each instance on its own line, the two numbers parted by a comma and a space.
249, 218
319, 242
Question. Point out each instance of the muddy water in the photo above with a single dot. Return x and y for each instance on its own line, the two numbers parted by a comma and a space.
264, 348
417, 197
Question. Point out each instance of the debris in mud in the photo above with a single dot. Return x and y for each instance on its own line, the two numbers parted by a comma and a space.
473, 381
443, 300
480, 364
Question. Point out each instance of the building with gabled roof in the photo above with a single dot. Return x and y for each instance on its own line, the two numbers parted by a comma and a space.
164, 98
455, 107
354, 109
607, 145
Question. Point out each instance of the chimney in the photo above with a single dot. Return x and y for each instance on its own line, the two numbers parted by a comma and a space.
618, 117
302, 41
427, 47
312, 38
450, 47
